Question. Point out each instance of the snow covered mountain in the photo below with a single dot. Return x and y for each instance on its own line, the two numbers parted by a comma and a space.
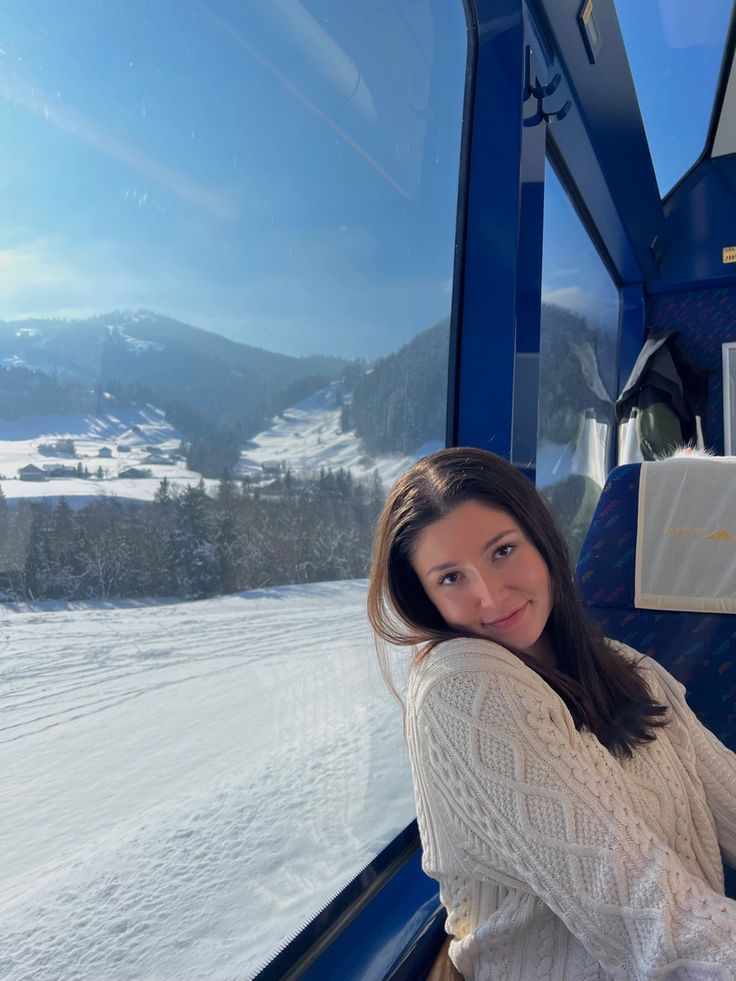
114, 404
129, 353
217, 392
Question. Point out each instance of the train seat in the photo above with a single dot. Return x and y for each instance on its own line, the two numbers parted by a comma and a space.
698, 647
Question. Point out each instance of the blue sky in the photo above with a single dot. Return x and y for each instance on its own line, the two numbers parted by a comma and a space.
573, 273
283, 172
675, 49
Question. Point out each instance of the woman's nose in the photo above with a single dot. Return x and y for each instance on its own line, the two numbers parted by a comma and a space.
488, 592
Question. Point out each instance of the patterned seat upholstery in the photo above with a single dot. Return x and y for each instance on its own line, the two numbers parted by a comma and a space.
698, 649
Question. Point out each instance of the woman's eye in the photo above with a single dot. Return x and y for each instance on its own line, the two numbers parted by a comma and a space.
449, 578
503, 551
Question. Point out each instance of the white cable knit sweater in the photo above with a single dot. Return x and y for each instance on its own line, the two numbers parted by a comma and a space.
555, 859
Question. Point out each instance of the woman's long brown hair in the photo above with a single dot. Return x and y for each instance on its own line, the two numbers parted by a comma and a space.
603, 691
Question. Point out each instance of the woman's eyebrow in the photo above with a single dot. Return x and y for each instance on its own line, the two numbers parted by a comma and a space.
498, 537
489, 544
440, 567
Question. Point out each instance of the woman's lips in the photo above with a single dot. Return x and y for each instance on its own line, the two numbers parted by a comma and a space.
509, 621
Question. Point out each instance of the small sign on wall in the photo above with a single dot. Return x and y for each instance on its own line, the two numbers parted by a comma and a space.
589, 29
729, 253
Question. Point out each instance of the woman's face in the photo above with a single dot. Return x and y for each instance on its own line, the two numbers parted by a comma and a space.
486, 578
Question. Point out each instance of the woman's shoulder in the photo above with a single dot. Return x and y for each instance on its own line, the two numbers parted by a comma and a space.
477, 662
478, 683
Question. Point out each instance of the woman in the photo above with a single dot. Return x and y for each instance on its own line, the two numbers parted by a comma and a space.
570, 804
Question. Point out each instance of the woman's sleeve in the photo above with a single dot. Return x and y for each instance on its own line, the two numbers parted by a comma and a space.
715, 764
501, 756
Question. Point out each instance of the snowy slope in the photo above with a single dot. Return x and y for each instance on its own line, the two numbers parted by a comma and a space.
304, 439
308, 437
185, 784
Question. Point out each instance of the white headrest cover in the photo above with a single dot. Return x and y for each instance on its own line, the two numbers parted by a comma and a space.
686, 535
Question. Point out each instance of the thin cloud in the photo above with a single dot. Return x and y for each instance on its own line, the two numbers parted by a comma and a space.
571, 297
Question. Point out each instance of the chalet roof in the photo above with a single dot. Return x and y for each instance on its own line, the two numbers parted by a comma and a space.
132, 472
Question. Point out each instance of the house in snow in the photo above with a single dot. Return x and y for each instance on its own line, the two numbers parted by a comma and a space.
32, 472
133, 473
105, 452
61, 447
273, 466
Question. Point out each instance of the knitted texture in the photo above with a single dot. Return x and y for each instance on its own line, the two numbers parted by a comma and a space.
555, 859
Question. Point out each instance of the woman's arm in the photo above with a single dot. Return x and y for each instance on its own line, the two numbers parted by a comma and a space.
500, 757
715, 763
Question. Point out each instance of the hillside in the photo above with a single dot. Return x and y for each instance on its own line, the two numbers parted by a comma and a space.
400, 403
217, 405
572, 356
148, 348
217, 392
309, 436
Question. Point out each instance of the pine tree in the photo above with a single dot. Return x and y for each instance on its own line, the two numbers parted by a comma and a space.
163, 493
377, 495
197, 559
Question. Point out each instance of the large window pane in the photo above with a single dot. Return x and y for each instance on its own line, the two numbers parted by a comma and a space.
577, 371
675, 49
227, 247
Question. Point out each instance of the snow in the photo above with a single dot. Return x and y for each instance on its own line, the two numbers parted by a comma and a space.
304, 439
308, 436
135, 429
134, 344
187, 783
38, 363
13, 361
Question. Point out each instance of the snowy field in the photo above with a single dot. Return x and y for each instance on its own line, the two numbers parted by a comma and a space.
307, 437
139, 439
304, 439
185, 784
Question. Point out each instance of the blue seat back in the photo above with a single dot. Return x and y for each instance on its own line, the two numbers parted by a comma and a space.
699, 649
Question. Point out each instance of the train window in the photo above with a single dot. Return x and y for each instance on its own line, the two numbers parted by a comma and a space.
674, 49
228, 238
577, 367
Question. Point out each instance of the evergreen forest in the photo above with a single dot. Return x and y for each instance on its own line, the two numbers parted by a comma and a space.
190, 544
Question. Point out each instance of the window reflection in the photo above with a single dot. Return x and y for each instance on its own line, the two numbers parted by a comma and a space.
577, 375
